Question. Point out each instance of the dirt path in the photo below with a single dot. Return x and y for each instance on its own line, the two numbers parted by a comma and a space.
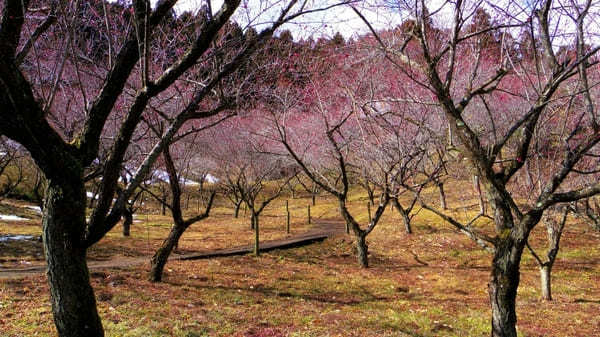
320, 232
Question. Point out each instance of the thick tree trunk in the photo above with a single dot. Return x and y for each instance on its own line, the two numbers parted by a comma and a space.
362, 250
503, 287
159, 260
72, 296
256, 234
127, 221
545, 282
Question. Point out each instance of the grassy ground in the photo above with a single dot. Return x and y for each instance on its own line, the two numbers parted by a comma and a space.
431, 283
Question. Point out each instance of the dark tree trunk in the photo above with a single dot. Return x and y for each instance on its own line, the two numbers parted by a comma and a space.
592, 214
406, 221
314, 192
443, 204
256, 234
405, 217
363, 250
236, 209
201, 182
287, 212
503, 286
371, 194
72, 296
127, 221
159, 260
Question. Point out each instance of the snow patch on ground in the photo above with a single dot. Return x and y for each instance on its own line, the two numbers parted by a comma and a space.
7, 217
160, 175
35, 208
5, 238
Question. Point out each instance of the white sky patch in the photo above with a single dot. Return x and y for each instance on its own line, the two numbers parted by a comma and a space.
391, 13
261, 13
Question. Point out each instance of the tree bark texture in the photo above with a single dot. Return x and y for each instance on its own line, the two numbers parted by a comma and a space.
443, 204
159, 260
546, 282
72, 296
363, 250
503, 285
127, 221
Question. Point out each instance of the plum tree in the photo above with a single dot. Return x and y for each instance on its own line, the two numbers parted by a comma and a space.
60, 95
495, 103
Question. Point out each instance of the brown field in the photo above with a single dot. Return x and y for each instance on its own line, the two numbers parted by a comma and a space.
430, 283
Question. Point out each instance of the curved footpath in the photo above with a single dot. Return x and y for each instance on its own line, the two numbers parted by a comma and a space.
320, 232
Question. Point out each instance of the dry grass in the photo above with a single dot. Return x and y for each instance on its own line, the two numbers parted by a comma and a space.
431, 283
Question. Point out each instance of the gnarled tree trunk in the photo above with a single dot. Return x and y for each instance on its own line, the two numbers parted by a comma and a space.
72, 296
159, 260
363, 250
503, 285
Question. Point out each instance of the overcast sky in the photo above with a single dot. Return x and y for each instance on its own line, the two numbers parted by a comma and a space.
342, 19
